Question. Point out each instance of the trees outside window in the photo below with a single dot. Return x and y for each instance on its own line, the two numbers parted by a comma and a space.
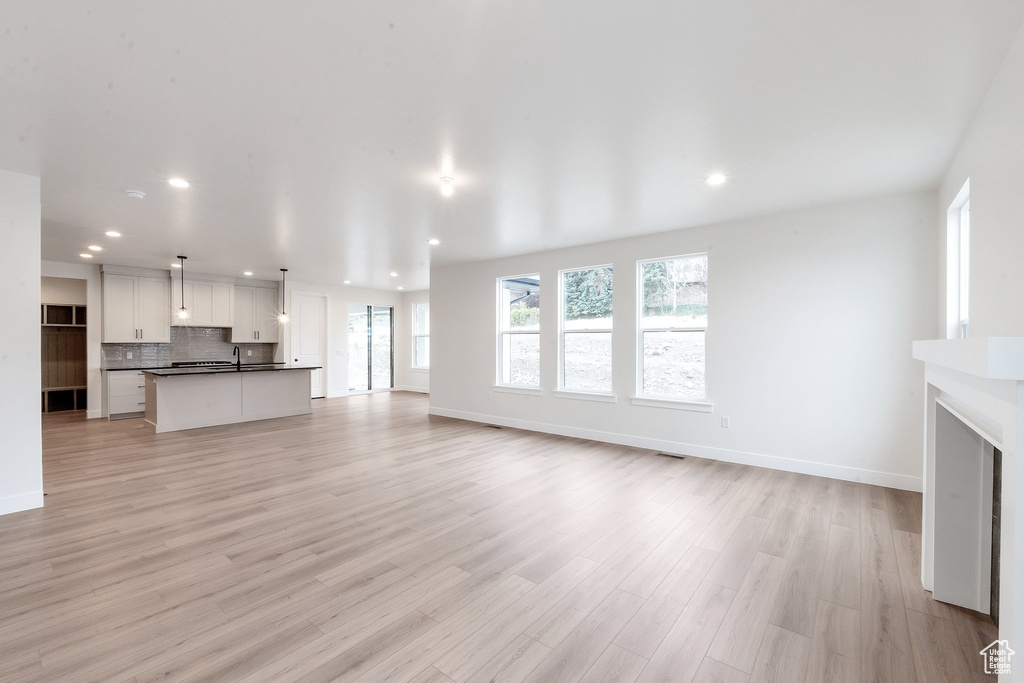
585, 330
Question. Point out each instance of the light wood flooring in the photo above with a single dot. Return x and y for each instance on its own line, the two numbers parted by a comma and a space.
371, 542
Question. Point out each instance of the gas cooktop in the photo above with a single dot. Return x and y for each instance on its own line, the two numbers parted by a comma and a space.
201, 363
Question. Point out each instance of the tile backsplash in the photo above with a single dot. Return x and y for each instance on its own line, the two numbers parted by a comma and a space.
187, 343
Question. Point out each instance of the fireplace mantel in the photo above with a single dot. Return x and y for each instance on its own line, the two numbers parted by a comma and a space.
985, 357
973, 386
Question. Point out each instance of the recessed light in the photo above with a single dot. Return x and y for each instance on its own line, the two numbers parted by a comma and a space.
247, 273
86, 255
135, 194
179, 183
715, 179
434, 242
348, 282
112, 233
401, 287
394, 274
175, 265
95, 247
447, 189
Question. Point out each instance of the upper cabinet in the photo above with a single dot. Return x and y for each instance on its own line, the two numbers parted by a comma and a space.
255, 315
136, 308
208, 303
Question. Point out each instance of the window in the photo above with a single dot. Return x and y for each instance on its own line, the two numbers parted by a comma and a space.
673, 324
421, 335
958, 264
519, 331
585, 330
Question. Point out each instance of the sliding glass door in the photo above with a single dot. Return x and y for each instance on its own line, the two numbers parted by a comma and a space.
371, 353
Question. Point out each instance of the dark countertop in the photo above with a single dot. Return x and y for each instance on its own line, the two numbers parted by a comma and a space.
270, 367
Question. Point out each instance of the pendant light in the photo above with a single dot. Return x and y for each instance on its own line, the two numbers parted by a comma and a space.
283, 318
183, 312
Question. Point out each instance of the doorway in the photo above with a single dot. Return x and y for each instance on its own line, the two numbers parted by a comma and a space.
63, 352
371, 347
309, 339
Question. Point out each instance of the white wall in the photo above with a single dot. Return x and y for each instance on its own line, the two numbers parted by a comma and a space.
407, 377
55, 271
338, 299
21, 454
63, 290
812, 314
992, 156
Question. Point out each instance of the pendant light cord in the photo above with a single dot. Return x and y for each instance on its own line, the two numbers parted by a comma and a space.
284, 279
182, 259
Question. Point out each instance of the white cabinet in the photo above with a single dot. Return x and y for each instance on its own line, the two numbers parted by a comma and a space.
136, 309
244, 327
266, 315
208, 303
255, 315
126, 393
119, 323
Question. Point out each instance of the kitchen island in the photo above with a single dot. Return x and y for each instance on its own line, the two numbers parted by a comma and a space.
188, 398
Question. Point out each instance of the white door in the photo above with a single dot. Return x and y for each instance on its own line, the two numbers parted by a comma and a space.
154, 303
244, 329
119, 309
309, 326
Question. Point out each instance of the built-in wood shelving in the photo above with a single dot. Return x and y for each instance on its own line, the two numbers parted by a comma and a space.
63, 315
63, 357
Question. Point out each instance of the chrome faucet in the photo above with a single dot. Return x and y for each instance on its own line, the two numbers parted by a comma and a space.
238, 363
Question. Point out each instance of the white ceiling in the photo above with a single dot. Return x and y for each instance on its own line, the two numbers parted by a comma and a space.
314, 133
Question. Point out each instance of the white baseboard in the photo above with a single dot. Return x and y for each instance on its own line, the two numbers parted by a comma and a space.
93, 414
23, 501
896, 481
418, 390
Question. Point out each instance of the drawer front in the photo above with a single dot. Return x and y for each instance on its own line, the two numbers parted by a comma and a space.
127, 404
127, 384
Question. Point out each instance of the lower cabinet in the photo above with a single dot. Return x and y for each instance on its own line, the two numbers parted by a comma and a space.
126, 394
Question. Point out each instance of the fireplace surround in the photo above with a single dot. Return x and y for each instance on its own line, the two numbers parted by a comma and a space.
974, 423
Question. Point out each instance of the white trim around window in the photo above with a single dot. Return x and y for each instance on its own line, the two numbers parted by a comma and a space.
506, 332
420, 333
642, 398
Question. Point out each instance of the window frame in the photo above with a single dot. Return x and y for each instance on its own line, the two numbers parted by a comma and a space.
416, 336
702, 403
958, 264
562, 332
499, 383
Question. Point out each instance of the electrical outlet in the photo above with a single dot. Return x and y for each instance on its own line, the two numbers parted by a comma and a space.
725, 422
129, 353
249, 351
